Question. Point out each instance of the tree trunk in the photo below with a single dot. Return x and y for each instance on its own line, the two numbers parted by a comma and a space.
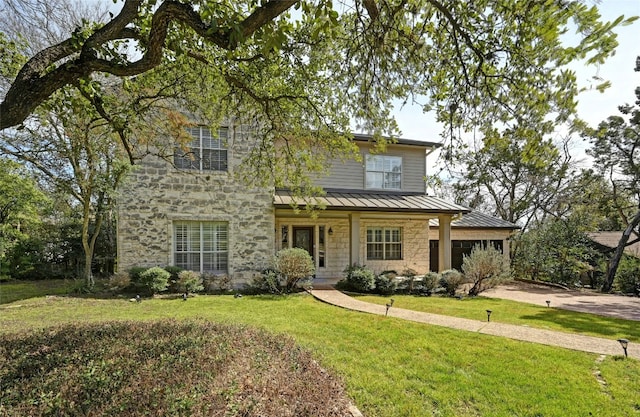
615, 260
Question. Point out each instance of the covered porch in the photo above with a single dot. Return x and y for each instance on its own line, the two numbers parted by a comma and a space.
383, 230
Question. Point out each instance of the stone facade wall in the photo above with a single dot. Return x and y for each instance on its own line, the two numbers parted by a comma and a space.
415, 245
156, 195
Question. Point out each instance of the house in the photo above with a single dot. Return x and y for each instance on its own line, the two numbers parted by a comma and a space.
197, 215
607, 242
472, 229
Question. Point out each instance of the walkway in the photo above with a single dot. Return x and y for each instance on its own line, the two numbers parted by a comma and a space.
527, 334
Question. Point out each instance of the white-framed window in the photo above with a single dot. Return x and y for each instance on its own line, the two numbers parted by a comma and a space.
201, 246
383, 172
384, 243
205, 152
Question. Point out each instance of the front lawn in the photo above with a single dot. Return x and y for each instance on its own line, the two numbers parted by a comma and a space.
391, 367
513, 312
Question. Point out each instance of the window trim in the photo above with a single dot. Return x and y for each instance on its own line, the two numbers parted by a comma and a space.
192, 158
383, 172
387, 251
201, 244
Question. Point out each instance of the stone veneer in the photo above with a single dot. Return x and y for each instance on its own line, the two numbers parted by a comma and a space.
156, 195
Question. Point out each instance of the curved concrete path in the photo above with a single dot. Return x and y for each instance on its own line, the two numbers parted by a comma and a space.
528, 334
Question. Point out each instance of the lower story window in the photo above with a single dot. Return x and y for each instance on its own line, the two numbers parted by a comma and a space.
201, 246
384, 243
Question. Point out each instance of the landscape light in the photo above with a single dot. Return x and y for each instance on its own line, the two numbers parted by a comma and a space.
548, 302
488, 315
624, 343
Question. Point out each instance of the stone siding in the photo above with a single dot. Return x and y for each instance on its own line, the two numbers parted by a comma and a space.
156, 195
415, 245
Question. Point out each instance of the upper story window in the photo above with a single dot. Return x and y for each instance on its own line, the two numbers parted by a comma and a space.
205, 152
384, 172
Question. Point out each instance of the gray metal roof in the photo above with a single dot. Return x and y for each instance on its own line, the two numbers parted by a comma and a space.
361, 137
478, 220
359, 200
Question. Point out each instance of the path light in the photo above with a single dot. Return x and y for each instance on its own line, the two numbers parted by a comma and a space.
548, 302
138, 299
389, 305
184, 296
624, 343
488, 315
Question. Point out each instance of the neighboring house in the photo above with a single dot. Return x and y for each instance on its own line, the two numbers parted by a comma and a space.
197, 215
472, 229
608, 242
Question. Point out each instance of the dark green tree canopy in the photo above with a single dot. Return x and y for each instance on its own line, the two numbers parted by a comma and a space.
329, 64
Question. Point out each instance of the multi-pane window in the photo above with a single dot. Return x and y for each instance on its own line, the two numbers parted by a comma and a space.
201, 246
204, 152
384, 243
384, 172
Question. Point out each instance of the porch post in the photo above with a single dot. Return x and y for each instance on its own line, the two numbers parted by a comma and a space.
444, 242
354, 238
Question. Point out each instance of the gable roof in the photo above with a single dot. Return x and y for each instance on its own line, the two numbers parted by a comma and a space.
610, 240
478, 220
359, 200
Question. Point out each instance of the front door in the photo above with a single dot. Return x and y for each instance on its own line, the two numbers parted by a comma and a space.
303, 238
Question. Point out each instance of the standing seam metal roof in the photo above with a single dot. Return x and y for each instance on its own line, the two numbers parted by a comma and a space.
374, 201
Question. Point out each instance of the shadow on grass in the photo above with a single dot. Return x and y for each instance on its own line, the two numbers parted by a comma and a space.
586, 323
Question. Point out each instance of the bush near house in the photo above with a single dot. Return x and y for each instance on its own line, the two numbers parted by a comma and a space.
358, 278
628, 276
450, 280
485, 268
294, 266
155, 279
385, 283
189, 282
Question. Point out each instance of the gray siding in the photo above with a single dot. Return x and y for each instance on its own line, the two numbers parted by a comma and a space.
350, 174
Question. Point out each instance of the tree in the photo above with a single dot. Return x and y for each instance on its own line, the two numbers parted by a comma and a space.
616, 151
21, 205
475, 63
74, 152
516, 174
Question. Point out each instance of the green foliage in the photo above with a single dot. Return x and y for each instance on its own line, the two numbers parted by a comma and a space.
558, 251
164, 368
216, 283
485, 268
268, 282
294, 265
135, 273
450, 280
155, 279
385, 283
628, 276
430, 282
120, 281
189, 282
358, 278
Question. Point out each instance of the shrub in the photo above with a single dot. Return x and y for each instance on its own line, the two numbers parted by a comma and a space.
485, 268
429, 283
189, 281
358, 278
216, 283
385, 283
628, 276
294, 265
267, 282
135, 272
173, 279
451, 280
155, 279
119, 281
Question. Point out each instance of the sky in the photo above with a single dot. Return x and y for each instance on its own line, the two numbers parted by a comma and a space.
593, 106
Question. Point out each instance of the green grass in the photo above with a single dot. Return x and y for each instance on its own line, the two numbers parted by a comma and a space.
392, 367
512, 312
20, 290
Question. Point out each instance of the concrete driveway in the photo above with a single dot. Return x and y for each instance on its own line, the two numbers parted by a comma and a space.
584, 301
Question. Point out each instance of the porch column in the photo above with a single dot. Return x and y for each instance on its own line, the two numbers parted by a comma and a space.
354, 238
444, 242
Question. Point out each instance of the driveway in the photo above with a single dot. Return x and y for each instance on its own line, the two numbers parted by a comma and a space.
584, 301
